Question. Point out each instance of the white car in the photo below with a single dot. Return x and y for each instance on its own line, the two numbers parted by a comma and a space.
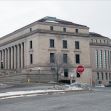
100, 85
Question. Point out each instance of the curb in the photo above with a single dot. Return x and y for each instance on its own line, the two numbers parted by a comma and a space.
29, 93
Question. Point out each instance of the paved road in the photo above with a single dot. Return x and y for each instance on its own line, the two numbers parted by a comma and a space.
100, 100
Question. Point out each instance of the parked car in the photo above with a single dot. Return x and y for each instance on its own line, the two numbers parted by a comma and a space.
109, 85
100, 85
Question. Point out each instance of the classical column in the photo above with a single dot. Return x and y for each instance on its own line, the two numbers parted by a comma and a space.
15, 55
21, 55
3, 57
5, 60
8, 58
11, 57
0, 58
18, 56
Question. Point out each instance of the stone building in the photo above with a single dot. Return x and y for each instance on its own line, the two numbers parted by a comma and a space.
50, 49
100, 58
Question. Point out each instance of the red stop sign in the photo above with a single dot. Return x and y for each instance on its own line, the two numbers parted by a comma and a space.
80, 69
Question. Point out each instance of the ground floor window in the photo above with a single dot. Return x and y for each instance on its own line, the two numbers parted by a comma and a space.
31, 59
97, 75
65, 72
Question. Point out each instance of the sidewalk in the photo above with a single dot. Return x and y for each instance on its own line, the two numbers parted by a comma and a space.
25, 87
31, 89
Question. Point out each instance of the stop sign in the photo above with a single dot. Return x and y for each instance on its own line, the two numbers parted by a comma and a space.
80, 69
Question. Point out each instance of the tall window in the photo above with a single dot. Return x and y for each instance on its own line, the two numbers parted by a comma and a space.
97, 63
101, 58
64, 58
52, 58
105, 59
65, 72
76, 30
97, 75
51, 28
102, 75
77, 58
76, 44
52, 43
64, 29
31, 44
31, 58
64, 43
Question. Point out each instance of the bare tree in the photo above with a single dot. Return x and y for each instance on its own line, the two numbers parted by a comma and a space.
60, 64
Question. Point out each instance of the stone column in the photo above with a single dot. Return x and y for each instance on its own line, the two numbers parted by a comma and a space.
21, 55
18, 56
15, 54
0, 58
11, 57
8, 58
5, 60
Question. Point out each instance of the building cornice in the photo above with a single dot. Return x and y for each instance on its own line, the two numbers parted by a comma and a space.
43, 32
100, 44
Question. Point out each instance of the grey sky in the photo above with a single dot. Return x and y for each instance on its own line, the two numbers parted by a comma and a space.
95, 14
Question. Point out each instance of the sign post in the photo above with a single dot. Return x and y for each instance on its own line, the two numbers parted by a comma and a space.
79, 71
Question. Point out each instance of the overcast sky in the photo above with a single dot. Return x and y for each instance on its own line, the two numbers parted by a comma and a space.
96, 14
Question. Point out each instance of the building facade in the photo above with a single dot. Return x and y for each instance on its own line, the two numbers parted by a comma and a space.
100, 58
53, 48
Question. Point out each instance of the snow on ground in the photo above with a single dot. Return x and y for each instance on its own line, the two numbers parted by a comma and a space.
14, 93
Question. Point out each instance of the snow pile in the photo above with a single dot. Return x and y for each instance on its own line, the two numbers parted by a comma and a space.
15, 93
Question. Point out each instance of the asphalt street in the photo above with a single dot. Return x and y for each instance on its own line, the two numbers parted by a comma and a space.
99, 100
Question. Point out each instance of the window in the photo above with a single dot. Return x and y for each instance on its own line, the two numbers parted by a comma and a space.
76, 44
52, 58
104, 41
31, 44
51, 28
102, 75
98, 75
101, 58
76, 30
52, 43
77, 57
65, 72
64, 43
106, 76
97, 62
31, 59
105, 59
64, 29
30, 29
100, 41
64, 58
